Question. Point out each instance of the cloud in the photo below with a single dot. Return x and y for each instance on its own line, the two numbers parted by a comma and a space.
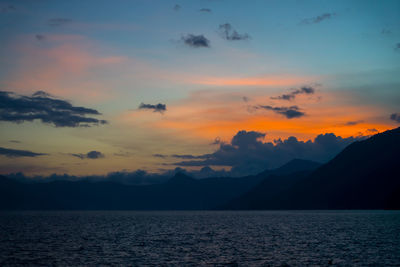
227, 32
156, 108
177, 7
206, 10
16, 153
159, 156
15, 141
195, 41
40, 37
372, 130
45, 108
292, 95
90, 155
289, 112
56, 22
318, 19
247, 153
397, 47
395, 117
217, 141
351, 123
386, 31
188, 156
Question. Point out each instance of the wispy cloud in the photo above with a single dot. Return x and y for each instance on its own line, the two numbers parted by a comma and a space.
176, 7
227, 32
156, 108
16, 153
289, 112
57, 22
90, 155
292, 95
206, 10
40, 37
352, 123
7, 8
318, 19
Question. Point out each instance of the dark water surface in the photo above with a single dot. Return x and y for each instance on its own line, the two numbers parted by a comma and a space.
244, 238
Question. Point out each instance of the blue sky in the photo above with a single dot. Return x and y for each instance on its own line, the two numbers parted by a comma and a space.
113, 56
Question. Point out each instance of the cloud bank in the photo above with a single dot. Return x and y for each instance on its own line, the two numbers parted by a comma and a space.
247, 153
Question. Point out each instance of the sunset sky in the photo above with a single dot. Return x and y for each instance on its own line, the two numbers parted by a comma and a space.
92, 87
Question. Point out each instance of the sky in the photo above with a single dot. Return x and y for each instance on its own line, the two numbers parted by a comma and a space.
95, 87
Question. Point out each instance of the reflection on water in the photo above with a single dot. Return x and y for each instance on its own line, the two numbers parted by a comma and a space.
243, 238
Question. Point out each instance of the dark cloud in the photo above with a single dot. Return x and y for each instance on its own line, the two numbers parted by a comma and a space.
15, 141
90, 155
372, 130
386, 31
15, 153
397, 47
351, 123
177, 7
292, 95
159, 156
56, 22
318, 19
41, 106
207, 10
395, 117
195, 41
40, 37
227, 32
94, 155
289, 112
247, 153
156, 108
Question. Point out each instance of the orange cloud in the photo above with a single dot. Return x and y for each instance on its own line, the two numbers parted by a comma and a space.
63, 65
197, 117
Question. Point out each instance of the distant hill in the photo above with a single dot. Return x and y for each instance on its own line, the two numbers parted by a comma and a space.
365, 175
178, 193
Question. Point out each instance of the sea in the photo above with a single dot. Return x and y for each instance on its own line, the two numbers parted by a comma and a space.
200, 238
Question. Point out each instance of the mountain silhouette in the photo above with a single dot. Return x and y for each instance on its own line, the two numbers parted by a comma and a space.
178, 193
365, 175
